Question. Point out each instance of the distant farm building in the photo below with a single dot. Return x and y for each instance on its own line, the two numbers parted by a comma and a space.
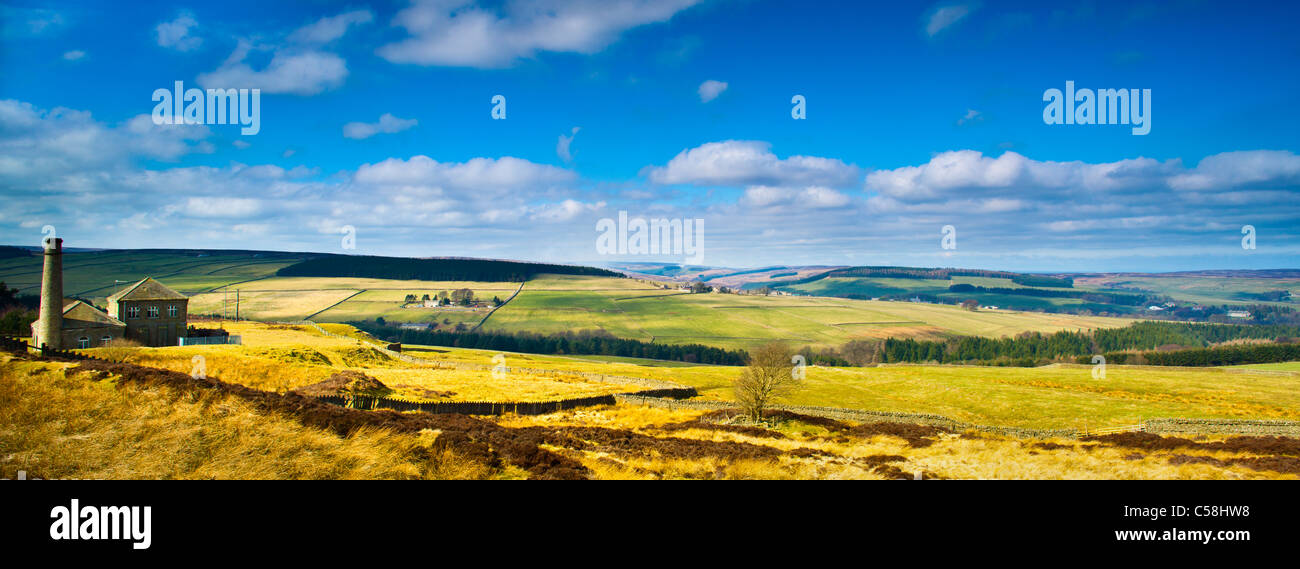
1239, 314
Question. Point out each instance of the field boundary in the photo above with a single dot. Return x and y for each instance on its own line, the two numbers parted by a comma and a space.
498, 307
336, 304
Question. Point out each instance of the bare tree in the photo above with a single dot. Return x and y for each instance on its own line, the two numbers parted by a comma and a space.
863, 352
770, 373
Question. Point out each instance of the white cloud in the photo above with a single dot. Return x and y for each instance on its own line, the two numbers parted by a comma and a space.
812, 197
331, 28
477, 174
461, 33
971, 116
966, 171
29, 22
566, 210
945, 17
709, 90
176, 33
562, 146
1240, 169
73, 55
743, 162
222, 207
299, 67
388, 124
49, 144
291, 71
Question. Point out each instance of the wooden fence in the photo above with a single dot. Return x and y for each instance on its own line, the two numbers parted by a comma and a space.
13, 344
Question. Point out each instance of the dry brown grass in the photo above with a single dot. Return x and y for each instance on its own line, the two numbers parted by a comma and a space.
56, 426
954, 455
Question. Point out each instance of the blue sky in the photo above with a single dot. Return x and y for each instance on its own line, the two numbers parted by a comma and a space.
919, 115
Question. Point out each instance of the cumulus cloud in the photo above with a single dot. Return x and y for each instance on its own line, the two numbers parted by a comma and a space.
562, 146
813, 197
176, 33
944, 17
709, 90
103, 183
330, 28
747, 162
73, 55
388, 124
969, 171
503, 173
1240, 169
462, 33
48, 144
299, 66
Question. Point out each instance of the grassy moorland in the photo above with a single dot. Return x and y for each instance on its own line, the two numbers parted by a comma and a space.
280, 358
58, 421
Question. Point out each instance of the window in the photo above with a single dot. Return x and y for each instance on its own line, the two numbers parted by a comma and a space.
133, 312
152, 312
83, 342
171, 311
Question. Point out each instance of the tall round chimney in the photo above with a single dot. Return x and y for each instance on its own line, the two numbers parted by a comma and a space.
49, 330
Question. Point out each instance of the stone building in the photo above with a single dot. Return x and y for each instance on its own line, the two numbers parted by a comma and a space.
65, 324
147, 312
155, 315
85, 326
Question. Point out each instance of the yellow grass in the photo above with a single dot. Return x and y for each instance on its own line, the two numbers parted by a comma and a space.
969, 456
56, 426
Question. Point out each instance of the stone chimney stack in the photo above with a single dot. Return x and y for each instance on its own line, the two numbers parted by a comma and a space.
49, 329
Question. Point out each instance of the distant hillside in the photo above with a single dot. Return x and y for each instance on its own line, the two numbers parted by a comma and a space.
402, 268
942, 274
7, 252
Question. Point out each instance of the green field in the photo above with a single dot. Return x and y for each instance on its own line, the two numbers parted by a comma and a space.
1201, 289
630, 309
1280, 366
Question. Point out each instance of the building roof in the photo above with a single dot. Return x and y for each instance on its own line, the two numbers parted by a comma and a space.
79, 311
147, 289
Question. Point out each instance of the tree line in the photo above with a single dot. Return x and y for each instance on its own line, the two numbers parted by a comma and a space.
584, 342
1119, 298
1034, 348
16, 312
940, 274
402, 268
1217, 356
